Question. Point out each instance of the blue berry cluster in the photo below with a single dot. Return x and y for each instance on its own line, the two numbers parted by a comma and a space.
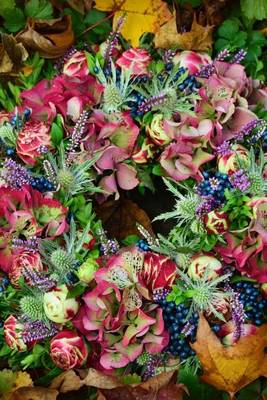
18, 120
142, 245
135, 103
214, 185
4, 282
175, 320
42, 184
253, 302
264, 141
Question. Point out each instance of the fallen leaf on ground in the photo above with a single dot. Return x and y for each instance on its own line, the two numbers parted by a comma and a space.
199, 38
35, 393
51, 38
120, 217
66, 382
140, 16
231, 368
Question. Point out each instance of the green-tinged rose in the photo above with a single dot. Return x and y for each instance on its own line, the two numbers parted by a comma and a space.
230, 163
158, 130
87, 270
58, 308
216, 222
200, 263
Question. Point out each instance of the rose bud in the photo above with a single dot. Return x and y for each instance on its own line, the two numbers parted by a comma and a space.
230, 163
216, 222
76, 66
144, 153
191, 60
31, 138
200, 263
231, 338
58, 308
264, 290
68, 350
87, 270
158, 130
13, 334
136, 60
26, 259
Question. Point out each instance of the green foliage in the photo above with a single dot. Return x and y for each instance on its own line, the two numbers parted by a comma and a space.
130, 239
193, 3
238, 211
14, 19
7, 380
235, 34
81, 23
37, 357
39, 9
254, 9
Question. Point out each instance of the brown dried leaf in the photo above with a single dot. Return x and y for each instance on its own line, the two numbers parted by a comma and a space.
78, 5
12, 54
160, 387
199, 38
35, 393
51, 38
213, 11
101, 381
120, 217
230, 368
66, 382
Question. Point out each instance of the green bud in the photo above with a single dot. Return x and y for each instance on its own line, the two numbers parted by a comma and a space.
86, 271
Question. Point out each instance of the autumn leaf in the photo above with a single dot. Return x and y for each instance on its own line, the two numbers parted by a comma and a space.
230, 368
160, 387
199, 38
51, 38
140, 16
35, 393
120, 217
12, 54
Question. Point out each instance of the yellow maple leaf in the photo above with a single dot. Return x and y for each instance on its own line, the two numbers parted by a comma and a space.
230, 368
140, 16
199, 38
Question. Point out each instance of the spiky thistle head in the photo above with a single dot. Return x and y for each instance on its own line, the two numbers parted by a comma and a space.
205, 294
185, 207
32, 307
255, 170
65, 178
62, 261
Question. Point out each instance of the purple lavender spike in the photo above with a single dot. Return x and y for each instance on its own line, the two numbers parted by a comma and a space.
246, 129
238, 57
38, 330
14, 174
151, 102
168, 56
62, 60
206, 71
38, 280
113, 39
187, 329
222, 55
30, 244
208, 205
77, 133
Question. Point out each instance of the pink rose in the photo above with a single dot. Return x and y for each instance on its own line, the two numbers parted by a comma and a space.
13, 334
26, 259
76, 65
30, 138
158, 272
135, 59
68, 350
144, 153
191, 60
227, 332
201, 262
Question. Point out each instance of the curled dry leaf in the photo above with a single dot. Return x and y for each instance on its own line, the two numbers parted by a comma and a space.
51, 38
12, 54
66, 382
120, 217
140, 16
199, 38
231, 368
